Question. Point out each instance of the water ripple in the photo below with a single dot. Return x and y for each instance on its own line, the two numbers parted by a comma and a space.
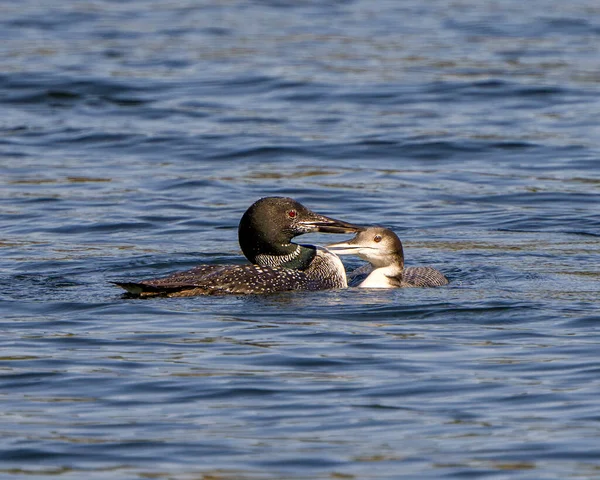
133, 139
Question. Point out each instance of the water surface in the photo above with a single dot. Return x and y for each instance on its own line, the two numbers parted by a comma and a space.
134, 135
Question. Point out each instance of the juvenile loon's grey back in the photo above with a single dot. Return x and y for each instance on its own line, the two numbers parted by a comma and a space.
383, 250
265, 233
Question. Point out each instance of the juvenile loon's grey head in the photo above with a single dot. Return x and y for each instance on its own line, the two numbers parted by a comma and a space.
379, 246
268, 226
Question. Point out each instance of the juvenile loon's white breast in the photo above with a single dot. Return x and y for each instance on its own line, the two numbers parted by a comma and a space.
381, 278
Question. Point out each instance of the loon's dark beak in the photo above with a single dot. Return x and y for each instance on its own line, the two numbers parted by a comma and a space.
323, 224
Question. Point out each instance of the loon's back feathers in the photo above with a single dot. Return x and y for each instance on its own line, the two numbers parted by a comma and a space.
423, 277
222, 280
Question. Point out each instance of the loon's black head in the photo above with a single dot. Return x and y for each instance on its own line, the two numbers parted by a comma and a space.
269, 225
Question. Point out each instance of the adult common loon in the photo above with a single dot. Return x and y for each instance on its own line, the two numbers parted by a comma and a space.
383, 250
265, 233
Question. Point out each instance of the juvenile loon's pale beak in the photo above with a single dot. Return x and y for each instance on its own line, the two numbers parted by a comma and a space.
346, 248
323, 224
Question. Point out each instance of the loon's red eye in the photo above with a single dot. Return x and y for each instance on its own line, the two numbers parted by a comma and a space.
292, 214
377, 238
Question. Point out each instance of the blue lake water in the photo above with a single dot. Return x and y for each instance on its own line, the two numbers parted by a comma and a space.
133, 136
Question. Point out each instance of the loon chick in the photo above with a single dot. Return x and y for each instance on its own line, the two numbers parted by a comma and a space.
265, 233
383, 250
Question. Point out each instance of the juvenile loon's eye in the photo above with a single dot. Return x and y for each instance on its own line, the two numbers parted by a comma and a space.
377, 238
292, 214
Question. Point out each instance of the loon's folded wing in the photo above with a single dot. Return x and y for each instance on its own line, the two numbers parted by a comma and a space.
221, 280
423, 277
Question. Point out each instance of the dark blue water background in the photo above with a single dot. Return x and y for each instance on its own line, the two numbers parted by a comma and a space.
134, 134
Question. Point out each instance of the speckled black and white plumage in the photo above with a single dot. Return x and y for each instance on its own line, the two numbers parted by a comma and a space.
222, 280
243, 280
383, 250
265, 234
423, 277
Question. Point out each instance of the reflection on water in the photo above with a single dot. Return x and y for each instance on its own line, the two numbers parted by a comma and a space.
132, 139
